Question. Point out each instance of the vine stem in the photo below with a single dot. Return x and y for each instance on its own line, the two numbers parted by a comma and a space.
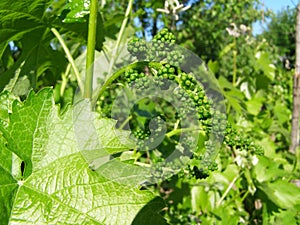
227, 190
65, 80
178, 131
125, 122
234, 70
90, 55
100, 90
121, 33
234, 64
69, 57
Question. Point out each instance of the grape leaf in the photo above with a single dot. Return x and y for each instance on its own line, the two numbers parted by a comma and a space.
282, 193
8, 185
68, 192
28, 24
22, 17
57, 186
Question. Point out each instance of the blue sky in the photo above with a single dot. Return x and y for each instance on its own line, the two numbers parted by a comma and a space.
274, 5
277, 5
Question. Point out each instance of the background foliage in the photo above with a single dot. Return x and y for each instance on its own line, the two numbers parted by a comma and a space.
36, 138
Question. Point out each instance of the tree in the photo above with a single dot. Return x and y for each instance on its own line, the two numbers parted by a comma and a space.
203, 27
281, 32
296, 90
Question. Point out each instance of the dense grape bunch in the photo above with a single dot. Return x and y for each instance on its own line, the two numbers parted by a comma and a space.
138, 48
132, 75
165, 36
236, 141
162, 47
159, 68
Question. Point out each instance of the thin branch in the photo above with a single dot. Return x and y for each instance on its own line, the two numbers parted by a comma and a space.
178, 131
64, 80
120, 36
113, 77
100, 90
227, 190
69, 57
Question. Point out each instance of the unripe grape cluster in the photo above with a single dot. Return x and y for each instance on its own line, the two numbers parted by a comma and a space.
165, 36
237, 141
167, 72
131, 75
162, 67
138, 48
147, 137
162, 47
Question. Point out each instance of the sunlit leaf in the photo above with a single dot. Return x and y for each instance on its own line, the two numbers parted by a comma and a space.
57, 185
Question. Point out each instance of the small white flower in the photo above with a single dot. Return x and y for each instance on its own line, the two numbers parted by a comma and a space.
240, 159
173, 7
233, 30
165, 9
244, 28
254, 160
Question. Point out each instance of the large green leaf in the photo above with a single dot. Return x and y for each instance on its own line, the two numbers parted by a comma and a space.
282, 193
8, 185
270, 179
20, 18
27, 22
57, 185
232, 94
80, 29
68, 192
267, 170
265, 64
